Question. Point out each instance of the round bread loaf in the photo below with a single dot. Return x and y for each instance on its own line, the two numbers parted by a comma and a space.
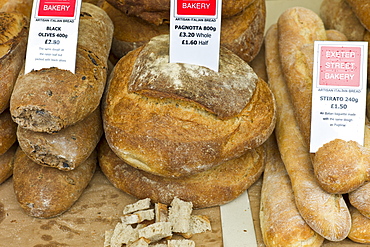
213, 187
158, 12
175, 119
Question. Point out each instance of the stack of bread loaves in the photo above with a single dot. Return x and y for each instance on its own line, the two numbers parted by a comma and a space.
317, 181
13, 39
184, 130
136, 22
58, 119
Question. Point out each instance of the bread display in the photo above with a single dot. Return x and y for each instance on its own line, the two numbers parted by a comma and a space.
216, 186
280, 220
311, 200
13, 43
66, 149
49, 100
178, 124
45, 192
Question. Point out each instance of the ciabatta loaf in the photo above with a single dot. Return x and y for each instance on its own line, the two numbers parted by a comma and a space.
325, 213
50, 99
174, 119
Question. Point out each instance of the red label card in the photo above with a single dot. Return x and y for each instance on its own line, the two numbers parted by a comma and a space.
197, 7
340, 66
57, 8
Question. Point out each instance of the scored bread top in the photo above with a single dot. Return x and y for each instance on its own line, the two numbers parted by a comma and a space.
224, 93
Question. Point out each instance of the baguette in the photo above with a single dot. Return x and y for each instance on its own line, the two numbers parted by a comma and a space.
280, 221
298, 28
45, 192
66, 149
51, 99
325, 213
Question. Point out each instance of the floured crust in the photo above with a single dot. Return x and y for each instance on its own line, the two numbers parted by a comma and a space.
243, 33
66, 149
13, 42
298, 28
45, 192
280, 220
7, 131
213, 187
360, 199
360, 231
172, 137
224, 93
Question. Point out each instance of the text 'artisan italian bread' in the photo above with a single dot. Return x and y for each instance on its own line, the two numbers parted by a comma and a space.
175, 119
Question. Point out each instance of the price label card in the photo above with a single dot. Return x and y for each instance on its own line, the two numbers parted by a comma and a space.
338, 92
52, 39
195, 32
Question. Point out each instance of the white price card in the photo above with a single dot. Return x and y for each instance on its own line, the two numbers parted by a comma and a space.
195, 32
338, 92
52, 39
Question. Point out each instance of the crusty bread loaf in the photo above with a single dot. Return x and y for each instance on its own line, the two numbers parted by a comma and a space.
335, 35
6, 163
280, 221
66, 149
174, 119
360, 199
131, 32
158, 11
213, 187
243, 33
361, 9
360, 230
343, 166
45, 192
13, 42
23, 7
298, 28
49, 100
325, 213
338, 15
7, 131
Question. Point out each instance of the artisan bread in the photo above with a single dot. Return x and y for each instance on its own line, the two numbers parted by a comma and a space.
23, 7
325, 213
243, 33
335, 35
50, 99
6, 163
131, 32
298, 28
8, 131
158, 12
280, 221
361, 9
45, 192
66, 149
13, 42
174, 119
338, 15
360, 230
213, 187
360, 199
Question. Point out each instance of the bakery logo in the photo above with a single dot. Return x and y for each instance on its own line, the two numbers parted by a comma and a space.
206, 8
340, 66
56, 8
